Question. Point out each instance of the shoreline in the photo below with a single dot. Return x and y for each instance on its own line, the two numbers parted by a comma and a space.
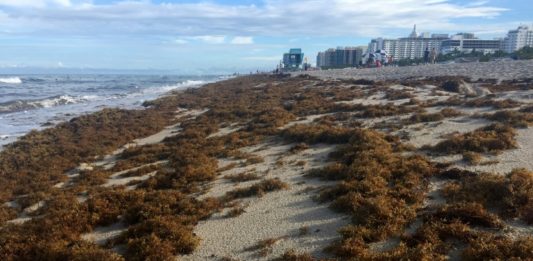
8, 139
285, 152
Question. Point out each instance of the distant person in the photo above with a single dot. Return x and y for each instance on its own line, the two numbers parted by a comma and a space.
370, 60
391, 59
377, 58
426, 56
433, 56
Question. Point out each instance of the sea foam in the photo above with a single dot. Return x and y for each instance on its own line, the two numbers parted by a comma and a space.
11, 80
21, 105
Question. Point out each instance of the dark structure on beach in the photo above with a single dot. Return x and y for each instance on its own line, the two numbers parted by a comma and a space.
292, 61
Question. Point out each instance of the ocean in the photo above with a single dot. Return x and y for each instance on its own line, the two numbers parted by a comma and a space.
30, 102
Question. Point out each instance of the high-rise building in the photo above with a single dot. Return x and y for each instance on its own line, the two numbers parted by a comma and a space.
518, 39
340, 57
467, 43
463, 36
411, 47
375, 45
440, 36
414, 34
425, 35
293, 59
415, 45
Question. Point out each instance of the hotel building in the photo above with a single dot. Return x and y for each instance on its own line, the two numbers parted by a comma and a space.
518, 39
411, 47
340, 57
467, 43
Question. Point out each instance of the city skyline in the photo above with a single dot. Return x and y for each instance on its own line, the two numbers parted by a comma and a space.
224, 35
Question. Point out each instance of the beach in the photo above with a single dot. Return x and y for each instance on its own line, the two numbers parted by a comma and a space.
389, 163
36, 101
498, 70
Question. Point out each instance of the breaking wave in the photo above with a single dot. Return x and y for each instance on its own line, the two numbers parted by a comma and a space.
11, 80
178, 86
22, 105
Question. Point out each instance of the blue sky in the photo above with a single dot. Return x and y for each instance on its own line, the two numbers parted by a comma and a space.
224, 35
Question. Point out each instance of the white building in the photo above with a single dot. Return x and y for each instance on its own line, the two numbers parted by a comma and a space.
518, 39
411, 47
467, 43
414, 46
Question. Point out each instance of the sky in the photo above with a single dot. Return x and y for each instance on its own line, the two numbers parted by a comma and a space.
224, 36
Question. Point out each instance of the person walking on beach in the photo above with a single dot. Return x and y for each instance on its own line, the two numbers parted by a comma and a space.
377, 60
426, 56
433, 56
370, 61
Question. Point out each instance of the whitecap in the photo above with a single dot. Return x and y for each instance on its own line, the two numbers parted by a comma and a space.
11, 80
23, 105
178, 86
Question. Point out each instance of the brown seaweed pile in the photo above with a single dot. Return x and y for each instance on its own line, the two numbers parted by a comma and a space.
382, 183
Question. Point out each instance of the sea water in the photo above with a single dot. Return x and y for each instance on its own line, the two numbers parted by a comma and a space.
30, 102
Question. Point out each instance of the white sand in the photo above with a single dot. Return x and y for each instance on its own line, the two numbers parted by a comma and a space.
108, 161
522, 157
277, 214
116, 179
158, 137
501, 70
225, 131
431, 133
24, 216
20, 220
308, 120
100, 235
168, 131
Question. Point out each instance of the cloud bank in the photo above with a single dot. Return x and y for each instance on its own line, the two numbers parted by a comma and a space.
358, 18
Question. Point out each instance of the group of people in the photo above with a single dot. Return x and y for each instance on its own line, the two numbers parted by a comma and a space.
380, 59
430, 57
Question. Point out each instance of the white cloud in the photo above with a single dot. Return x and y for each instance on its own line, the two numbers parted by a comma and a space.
242, 40
262, 58
478, 3
219, 39
22, 3
181, 41
211, 21
210, 39
62, 2
34, 3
